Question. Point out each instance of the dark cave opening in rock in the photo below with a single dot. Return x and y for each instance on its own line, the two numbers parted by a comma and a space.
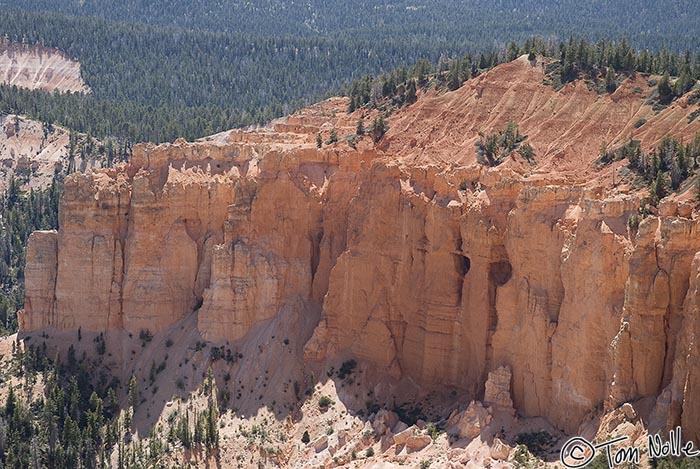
500, 272
462, 264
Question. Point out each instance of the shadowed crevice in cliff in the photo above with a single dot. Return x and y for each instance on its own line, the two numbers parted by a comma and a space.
462, 265
315, 240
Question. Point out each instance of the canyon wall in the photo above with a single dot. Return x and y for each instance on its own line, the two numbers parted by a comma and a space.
439, 273
411, 273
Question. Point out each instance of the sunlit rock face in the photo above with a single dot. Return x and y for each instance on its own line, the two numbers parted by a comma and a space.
421, 262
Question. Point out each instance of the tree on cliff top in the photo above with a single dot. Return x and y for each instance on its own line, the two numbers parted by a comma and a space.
610, 80
665, 89
379, 128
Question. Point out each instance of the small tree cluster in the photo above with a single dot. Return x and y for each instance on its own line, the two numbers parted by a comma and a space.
204, 430
491, 150
666, 168
74, 425
668, 89
333, 138
397, 88
378, 129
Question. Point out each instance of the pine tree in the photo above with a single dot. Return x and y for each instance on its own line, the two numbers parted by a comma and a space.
422, 70
209, 382
379, 128
13, 193
610, 80
512, 52
634, 158
10, 403
212, 423
682, 163
111, 404
454, 80
685, 81
664, 86
127, 419
74, 401
659, 188
319, 141
411, 92
360, 131
474, 72
133, 392
198, 429
94, 420
333, 137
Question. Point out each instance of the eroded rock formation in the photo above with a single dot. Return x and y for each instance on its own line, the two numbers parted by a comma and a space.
440, 271
39, 68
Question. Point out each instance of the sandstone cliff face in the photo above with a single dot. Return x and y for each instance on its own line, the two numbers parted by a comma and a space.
410, 272
685, 386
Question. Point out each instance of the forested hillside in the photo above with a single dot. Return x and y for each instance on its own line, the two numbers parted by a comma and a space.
154, 78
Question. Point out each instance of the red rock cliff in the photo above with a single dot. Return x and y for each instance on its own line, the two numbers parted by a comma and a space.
419, 260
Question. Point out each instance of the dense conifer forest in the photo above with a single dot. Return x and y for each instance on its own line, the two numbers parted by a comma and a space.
602, 64
20, 214
438, 24
161, 70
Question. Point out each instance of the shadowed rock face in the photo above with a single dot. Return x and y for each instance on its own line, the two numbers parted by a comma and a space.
419, 278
